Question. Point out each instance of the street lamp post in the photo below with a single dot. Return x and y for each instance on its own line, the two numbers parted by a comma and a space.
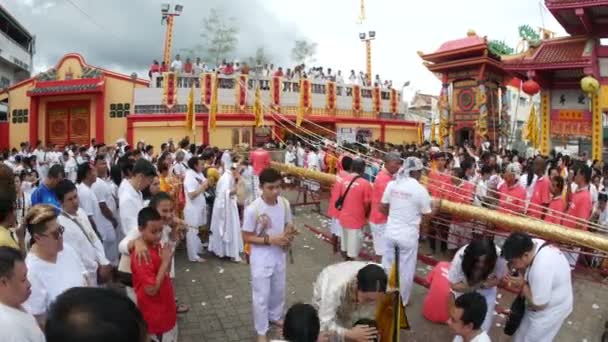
367, 38
168, 13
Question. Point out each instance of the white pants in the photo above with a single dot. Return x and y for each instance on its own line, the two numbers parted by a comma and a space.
256, 187
268, 279
378, 237
490, 296
408, 252
169, 336
193, 244
110, 247
336, 228
351, 242
539, 327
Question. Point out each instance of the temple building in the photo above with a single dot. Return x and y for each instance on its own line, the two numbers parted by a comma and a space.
570, 74
75, 102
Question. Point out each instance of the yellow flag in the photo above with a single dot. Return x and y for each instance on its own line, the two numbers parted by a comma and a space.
532, 128
213, 105
433, 131
420, 133
258, 111
190, 111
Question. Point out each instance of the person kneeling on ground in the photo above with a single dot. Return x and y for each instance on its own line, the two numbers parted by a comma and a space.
345, 292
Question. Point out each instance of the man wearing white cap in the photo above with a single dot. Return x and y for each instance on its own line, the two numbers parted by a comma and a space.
408, 205
511, 196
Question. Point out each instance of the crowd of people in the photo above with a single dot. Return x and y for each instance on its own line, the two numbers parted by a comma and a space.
190, 69
77, 222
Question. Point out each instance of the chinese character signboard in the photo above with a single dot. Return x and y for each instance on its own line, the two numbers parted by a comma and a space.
570, 114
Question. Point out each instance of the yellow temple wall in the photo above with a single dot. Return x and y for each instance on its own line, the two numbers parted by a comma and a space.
18, 99
117, 91
157, 132
69, 65
375, 128
604, 97
400, 134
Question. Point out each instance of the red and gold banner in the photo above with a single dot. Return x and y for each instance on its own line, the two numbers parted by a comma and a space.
330, 97
241, 92
356, 99
376, 100
305, 100
213, 105
276, 86
394, 101
206, 88
169, 89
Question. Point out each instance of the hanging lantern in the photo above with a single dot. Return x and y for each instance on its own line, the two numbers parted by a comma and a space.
590, 85
530, 87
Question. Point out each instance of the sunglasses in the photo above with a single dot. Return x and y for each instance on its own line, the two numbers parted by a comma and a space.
55, 234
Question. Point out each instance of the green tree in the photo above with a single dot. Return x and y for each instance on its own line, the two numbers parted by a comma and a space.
260, 58
303, 51
220, 35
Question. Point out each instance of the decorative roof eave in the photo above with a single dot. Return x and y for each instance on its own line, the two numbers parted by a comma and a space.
68, 87
436, 57
524, 67
463, 62
558, 5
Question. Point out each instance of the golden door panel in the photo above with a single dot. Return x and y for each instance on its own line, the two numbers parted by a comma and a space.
80, 120
57, 128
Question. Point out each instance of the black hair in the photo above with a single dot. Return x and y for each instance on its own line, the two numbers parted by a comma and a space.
56, 171
8, 258
8, 193
467, 163
82, 172
63, 188
159, 197
559, 180
269, 175
144, 168
346, 163
192, 162
472, 252
301, 323
358, 166
89, 314
146, 215
585, 171
474, 309
126, 166
516, 245
486, 169
116, 174
371, 278
99, 157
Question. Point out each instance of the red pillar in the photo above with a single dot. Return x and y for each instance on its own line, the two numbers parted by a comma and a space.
382, 132
205, 129
33, 120
100, 118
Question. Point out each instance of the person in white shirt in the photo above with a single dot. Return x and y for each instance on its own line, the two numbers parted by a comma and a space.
268, 228
195, 211
300, 154
290, 155
79, 234
199, 67
85, 177
176, 65
408, 206
226, 239
69, 166
131, 200
180, 165
92, 151
466, 317
352, 78
544, 277
53, 266
16, 325
226, 160
313, 164
107, 211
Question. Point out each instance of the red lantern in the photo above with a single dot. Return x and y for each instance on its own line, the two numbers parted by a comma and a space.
530, 87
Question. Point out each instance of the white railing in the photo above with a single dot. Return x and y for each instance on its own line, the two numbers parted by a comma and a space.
148, 100
14, 53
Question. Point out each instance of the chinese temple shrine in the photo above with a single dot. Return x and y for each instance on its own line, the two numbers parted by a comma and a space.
571, 74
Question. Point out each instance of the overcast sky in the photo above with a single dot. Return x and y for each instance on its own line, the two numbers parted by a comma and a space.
125, 35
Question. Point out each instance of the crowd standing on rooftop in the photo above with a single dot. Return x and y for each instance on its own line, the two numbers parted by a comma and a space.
76, 222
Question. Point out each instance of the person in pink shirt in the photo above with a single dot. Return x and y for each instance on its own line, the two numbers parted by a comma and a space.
260, 160
579, 208
336, 229
557, 205
541, 195
355, 209
377, 220
435, 307
511, 195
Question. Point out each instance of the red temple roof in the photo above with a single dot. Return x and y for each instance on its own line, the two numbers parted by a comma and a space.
470, 46
555, 53
469, 41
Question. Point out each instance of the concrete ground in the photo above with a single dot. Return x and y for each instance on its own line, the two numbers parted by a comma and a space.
219, 295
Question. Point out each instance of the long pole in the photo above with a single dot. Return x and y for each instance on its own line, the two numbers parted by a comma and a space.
368, 50
168, 39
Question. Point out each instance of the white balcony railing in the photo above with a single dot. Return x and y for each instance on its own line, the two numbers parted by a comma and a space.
15, 53
148, 100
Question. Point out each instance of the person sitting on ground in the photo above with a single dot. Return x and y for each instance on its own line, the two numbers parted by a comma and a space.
466, 317
94, 315
301, 324
347, 290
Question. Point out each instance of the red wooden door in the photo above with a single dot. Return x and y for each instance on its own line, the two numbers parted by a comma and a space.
68, 122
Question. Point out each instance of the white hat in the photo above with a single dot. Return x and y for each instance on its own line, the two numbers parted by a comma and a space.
410, 164
514, 168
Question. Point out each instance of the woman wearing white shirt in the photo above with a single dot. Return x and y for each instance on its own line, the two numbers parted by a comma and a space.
53, 267
195, 211
476, 267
